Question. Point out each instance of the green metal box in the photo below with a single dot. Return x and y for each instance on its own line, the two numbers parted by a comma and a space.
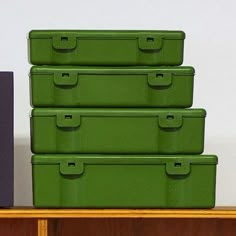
97, 181
91, 130
106, 47
68, 86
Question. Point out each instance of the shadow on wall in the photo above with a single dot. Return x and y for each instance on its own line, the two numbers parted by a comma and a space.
22, 172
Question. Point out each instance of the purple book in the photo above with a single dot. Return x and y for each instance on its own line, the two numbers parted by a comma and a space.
6, 139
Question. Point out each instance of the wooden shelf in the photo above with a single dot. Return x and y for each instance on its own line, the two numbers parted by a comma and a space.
220, 212
54, 222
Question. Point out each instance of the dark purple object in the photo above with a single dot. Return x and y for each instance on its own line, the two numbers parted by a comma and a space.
6, 139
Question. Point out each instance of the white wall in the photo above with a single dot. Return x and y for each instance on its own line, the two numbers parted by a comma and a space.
210, 46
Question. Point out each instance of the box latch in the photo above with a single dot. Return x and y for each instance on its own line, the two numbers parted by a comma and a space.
150, 42
159, 79
64, 42
65, 78
178, 167
71, 167
68, 120
170, 120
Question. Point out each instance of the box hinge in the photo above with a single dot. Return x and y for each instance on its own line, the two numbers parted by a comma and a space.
159, 79
68, 120
65, 78
150, 42
71, 167
178, 167
64, 42
170, 120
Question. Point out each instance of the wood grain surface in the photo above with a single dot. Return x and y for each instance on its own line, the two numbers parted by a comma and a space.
218, 212
42, 227
142, 227
18, 227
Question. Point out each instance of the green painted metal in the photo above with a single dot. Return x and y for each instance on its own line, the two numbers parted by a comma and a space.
105, 47
68, 86
91, 130
106, 181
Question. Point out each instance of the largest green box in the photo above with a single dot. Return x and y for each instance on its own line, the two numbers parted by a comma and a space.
68, 86
96, 181
113, 130
105, 47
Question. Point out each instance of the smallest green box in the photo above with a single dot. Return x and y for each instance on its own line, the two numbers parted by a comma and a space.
106, 47
124, 181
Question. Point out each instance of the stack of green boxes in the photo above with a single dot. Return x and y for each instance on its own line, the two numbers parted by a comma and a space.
110, 128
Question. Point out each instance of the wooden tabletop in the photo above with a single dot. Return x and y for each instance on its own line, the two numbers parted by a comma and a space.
218, 212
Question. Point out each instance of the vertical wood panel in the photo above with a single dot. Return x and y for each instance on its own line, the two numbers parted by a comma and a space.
18, 227
42, 227
142, 227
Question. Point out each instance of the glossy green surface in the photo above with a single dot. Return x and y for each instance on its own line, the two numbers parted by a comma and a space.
96, 181
68, 86
81, 47
166, 131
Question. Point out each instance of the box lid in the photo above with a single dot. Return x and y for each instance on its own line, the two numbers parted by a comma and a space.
175, 70
34, 34
174, 165
123, 159
122, 112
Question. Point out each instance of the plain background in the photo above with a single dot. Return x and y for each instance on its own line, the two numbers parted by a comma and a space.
210, 47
